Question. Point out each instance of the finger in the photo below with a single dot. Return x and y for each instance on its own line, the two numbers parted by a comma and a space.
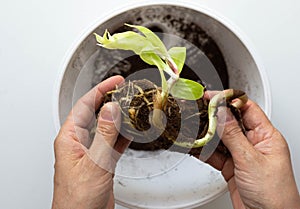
228, 169
108, 126
257, 124
121, 144
233, 137
209, 94
235, 194
216, 160
83, 113
102, 148
254, 116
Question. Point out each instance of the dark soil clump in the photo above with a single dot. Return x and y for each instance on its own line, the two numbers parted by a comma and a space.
184, 120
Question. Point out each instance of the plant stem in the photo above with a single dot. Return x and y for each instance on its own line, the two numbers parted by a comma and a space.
173, 66
236, 98
161, 97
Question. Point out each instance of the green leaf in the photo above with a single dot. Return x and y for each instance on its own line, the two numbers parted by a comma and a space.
153, 59
178, 54
187, 89
154, 39
128, 40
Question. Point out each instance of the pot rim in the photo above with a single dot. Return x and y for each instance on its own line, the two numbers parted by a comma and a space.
186, 4
194, 6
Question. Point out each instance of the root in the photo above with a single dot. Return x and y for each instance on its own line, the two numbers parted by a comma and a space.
236, 98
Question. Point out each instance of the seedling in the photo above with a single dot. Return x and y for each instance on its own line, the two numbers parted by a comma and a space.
151, 50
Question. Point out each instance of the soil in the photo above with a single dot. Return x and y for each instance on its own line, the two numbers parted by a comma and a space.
184, 120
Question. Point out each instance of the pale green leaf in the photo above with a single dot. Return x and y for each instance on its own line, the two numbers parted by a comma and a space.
187, 89
178, 54
154, 39
128, 40
153, 59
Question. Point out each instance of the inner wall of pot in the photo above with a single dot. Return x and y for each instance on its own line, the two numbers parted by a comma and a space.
79, 75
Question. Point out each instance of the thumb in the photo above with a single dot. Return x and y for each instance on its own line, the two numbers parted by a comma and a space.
231, 134
108, 123
106, 132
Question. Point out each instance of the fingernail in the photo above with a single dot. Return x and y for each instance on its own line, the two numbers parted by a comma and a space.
108, 112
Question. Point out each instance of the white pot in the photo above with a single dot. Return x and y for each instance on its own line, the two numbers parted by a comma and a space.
189, 183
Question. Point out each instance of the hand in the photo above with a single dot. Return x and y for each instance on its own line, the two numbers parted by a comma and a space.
259, 172
84, 168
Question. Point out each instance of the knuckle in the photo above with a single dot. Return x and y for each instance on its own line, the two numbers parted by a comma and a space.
57, 142
106, 129
232, 130
281, 142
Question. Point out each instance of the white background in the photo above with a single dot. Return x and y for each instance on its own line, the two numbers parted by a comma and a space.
35, 35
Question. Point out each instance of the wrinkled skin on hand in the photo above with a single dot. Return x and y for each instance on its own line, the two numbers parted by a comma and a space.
83, 167
259, 171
